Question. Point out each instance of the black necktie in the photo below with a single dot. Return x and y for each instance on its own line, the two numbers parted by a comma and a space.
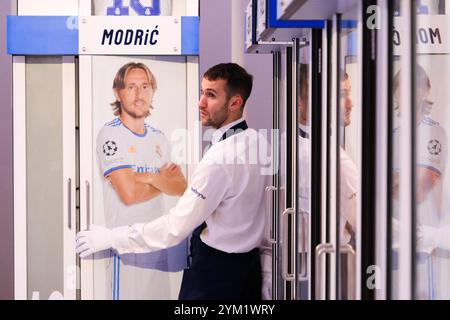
239, 127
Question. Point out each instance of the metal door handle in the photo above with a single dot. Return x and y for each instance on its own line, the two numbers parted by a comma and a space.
69, 203
351, 264
328, 248
285, 272
321, 249
303, 244
88, 205
269, 204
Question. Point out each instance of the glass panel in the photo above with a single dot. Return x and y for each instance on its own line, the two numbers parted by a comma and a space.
129, 143
396, 164
281, 290
44, 176
431, 141
349, 148
304, 166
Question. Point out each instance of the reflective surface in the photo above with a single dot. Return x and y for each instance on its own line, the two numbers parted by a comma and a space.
45, 252
431, 101
349, 149
426, 107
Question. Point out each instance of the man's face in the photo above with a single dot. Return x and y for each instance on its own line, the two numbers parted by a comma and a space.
213, 103
137, 95
346, 103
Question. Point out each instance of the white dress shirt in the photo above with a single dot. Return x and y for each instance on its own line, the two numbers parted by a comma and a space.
226, 190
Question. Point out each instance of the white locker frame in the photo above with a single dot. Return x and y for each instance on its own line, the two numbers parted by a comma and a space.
20, 180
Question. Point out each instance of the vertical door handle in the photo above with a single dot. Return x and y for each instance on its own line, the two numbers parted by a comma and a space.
351, 265
88, 205
321, 249
269, 206
285, 272
304, 244
69, 203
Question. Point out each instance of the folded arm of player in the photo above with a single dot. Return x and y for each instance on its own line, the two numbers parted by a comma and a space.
129, 189
170, 180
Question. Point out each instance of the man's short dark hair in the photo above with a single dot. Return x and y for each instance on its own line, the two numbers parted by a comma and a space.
239, 81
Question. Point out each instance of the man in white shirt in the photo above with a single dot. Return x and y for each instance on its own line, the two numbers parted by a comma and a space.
348, 169
223, 205
133, 159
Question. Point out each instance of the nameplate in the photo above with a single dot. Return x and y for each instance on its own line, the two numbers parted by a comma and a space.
431, 35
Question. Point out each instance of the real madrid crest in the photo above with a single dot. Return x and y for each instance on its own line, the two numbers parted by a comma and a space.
158, 150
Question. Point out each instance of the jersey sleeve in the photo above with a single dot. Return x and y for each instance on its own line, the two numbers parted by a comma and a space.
432, 148
112, 151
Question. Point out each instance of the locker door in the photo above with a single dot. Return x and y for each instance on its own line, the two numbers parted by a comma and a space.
336, 267
142, 276
170, 134
44, 178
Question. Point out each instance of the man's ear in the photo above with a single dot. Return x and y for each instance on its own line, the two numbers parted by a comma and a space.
236, 103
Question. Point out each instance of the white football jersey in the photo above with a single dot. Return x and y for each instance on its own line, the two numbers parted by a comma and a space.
133, 8
431, 153
118, 148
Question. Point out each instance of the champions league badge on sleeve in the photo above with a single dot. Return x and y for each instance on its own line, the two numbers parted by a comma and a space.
434, 147
110, 148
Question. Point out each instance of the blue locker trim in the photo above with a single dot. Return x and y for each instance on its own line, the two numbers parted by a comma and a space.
273, 22
349, 24
42, 35
118, 277
189, 35
114, 279
352, 44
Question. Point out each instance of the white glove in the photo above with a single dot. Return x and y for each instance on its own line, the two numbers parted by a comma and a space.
427, 238
266, 289
91, 241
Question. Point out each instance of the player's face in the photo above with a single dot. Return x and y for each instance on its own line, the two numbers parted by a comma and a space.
422, 105
137, 95
213, 103
346, 103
